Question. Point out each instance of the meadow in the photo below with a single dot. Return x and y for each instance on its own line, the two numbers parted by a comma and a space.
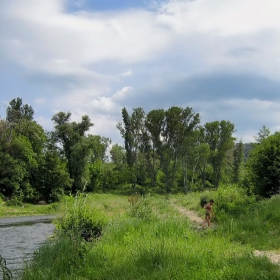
110, 236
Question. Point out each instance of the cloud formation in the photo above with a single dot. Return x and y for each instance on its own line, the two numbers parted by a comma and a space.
219, 57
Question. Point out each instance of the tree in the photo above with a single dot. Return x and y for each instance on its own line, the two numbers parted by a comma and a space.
99, 148
16, 111
53, 180
263, 133
117, 153
219, 137
178, 126
238, 161
152, 142
75, 146
21, 145
264, 166
132, 130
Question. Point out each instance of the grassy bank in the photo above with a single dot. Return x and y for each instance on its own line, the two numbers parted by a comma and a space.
151, 240
27, 210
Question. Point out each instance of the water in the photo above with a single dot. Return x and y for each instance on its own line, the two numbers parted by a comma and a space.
20, 237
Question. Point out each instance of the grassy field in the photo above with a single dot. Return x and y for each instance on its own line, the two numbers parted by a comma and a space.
150, 239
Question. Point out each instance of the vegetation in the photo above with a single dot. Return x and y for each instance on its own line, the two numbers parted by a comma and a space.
151, 239
167, 151
27, 209
168, 160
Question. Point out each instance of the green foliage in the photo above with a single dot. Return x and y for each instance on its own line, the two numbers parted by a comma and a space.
16, 111
16, 200
264, 164
81, 219
76, 147
12, 174
263, 133
231, 201
219, 137
52, 179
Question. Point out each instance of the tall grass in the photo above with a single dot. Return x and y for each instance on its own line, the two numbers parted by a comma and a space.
258, 227
158, 245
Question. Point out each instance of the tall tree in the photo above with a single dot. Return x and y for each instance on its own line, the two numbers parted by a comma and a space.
263, 133
17, 111
219, 137
152, 142
75, 146
238, 161
178, 126
21, 143
132, 130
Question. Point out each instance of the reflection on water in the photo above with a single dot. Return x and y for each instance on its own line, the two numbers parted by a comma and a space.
20, 237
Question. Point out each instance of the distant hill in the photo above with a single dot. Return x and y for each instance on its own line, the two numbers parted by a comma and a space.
247, 148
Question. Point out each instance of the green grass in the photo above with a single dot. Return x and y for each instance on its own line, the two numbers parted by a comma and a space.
27, 210
258, 227
151, 240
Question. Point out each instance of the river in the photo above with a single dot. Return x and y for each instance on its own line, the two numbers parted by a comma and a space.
20, 237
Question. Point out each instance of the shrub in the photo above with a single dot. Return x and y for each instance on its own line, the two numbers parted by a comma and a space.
16, 200
81, 220
232, 200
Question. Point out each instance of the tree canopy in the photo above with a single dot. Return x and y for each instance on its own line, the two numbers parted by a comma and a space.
167, 150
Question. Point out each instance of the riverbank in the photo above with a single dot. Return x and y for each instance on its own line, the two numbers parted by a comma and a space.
154, 239
27, 210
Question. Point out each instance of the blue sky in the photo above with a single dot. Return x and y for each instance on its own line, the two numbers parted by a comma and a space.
222, 58
111, 5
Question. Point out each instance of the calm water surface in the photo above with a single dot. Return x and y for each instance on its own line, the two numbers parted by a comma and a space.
20, 237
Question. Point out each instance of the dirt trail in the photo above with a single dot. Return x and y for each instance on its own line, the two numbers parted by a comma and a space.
197, 221
190, 214
274, 258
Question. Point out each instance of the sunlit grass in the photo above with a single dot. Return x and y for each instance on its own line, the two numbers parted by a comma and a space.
27, 210
150, 240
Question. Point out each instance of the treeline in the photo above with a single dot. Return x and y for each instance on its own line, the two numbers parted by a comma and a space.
166, 150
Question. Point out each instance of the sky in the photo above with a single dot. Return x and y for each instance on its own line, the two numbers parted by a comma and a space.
94, 57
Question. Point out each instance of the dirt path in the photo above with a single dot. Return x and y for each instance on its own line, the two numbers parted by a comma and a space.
190, 214
274, 258
197, 222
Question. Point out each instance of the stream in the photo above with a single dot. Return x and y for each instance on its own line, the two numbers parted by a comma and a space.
20, 237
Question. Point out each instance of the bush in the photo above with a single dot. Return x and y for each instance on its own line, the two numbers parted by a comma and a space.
16, 200
232, 200
81, 220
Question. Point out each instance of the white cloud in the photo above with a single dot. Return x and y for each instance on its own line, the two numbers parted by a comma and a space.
84, 58
226, 18
127, 73
122, 94
47, 36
